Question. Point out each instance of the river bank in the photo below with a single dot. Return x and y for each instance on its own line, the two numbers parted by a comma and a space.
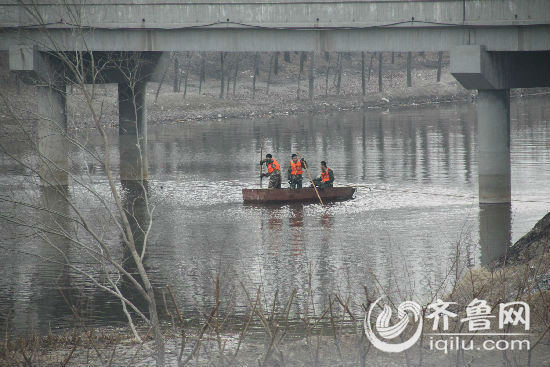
285, 94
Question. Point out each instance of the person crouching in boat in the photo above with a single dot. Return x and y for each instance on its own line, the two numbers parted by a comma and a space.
326, 179
295, 172
273, 172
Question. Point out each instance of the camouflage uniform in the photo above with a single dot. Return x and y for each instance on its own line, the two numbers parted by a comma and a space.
322, 185
275, 180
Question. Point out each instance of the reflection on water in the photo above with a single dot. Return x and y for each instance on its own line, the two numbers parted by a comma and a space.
495, 230
416, 202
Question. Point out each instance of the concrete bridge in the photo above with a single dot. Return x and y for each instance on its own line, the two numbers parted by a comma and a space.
495, 45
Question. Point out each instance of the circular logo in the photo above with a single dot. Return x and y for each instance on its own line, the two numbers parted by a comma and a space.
388, 332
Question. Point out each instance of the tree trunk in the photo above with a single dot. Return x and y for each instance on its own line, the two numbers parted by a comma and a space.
327, 56
222, 76
176, 87
286, 56
339, 82
276, 63
299, 78
187, 70
303, 58
380, 60
439, 60
370, 65
236, 72
255, 72
161, 82
409, 67
228, 83
363, 84
202, 76
269, 74
311, 74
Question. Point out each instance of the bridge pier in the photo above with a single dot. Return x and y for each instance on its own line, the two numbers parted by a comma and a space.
493, 126
47, 74
493, 74
53, 146
132, 131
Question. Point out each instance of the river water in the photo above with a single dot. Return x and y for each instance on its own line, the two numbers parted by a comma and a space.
415, 211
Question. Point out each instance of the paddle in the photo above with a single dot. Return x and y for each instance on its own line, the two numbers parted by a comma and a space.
311, 180
261, 156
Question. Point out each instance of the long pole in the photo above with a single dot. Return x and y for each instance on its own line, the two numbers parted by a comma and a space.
311, 180
261, 155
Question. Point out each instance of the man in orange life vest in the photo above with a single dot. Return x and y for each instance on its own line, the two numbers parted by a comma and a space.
273, 172
327, 177
295, 171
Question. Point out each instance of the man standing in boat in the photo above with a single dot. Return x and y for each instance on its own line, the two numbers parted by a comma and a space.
326, 179
295, 171
273, 172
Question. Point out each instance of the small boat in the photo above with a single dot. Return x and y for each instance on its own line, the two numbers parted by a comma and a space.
299, 195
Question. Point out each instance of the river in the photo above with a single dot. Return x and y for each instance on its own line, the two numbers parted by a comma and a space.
415, 212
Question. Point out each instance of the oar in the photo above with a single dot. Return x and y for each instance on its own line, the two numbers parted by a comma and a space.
311, 180
261, 165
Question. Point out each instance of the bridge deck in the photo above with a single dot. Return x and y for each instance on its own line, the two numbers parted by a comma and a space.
276, 25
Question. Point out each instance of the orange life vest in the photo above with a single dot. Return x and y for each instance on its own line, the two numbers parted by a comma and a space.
273, 166
296, 168
325, 176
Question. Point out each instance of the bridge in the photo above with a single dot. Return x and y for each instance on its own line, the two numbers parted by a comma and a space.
494, 45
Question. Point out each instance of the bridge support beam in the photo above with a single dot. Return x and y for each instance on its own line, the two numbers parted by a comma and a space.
493, 125
493, 74
132, 131
53, 146
47, 75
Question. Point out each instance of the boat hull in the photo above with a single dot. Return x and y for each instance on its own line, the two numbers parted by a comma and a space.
299, 195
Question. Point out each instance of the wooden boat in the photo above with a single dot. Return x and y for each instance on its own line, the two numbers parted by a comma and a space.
299, 195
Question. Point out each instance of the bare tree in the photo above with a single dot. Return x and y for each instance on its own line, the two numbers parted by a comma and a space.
85, 69
236, 74
222, 76
255, 72
439, 62
363, 83
271, 60
176, 85
380, 63
311, 74
327, 58
339, 73
202, 72
370, 65
409, 69
286, 56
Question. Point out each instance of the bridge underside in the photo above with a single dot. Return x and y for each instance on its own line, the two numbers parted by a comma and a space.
399, 39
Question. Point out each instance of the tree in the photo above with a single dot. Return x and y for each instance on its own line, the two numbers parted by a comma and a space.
409, 69
311, 74
380, 62
439, 62
119, 205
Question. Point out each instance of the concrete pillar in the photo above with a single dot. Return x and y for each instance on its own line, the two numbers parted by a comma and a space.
495, 231
493, 123
52, 143
132, 131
